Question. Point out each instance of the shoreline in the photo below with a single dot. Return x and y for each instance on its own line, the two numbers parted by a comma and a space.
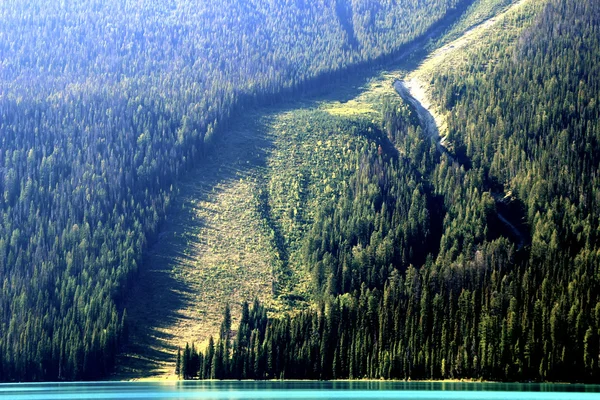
433, 381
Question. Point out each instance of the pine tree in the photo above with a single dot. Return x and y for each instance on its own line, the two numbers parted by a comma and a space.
178, 364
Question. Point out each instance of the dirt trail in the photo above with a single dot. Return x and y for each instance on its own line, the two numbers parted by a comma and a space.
416, 83
473, 33
431, 128
428, 121
413, 91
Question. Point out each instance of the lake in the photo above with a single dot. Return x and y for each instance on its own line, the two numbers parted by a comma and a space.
294, 390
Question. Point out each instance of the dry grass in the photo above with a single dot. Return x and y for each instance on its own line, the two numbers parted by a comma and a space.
366, 104
214, 249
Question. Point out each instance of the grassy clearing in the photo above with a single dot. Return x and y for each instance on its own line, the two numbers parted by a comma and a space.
315, 153
235, 229
213, 249
367, 103
309, 166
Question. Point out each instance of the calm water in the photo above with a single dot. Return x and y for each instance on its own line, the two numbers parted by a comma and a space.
296, 391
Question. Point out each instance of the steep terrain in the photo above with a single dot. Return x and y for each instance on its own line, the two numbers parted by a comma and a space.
213, 249
305, 155
236, 229
415, 90
478, 261
104, 106
433, 222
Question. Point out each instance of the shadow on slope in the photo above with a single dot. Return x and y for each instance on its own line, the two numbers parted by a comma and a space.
168, 304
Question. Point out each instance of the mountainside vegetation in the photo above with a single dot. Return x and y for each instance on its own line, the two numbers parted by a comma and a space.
103, 105
372, 250
415, 274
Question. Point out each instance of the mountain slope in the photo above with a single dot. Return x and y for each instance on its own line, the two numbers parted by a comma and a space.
103, 106
527, 115
311, 156
236, 233
522, 119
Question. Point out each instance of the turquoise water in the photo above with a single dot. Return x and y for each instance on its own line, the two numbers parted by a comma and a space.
297, 391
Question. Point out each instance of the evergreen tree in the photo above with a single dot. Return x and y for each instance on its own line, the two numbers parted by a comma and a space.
178, 363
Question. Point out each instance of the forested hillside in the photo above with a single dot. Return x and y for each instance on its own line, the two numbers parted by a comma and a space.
103, 104
416, 275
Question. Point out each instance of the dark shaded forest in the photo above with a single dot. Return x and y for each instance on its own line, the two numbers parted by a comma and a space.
416, 275
103, 105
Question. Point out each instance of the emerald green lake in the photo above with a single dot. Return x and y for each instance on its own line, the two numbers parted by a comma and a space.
296, 390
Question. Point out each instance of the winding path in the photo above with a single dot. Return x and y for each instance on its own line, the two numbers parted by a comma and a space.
428, 123
431, 129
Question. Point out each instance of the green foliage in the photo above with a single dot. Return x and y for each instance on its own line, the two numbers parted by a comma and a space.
413, 272
316, 155
526, 118
525, 124
380, 220
476, 13
103, 105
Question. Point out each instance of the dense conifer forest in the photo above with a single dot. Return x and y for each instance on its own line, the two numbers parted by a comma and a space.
414, 273
103, 105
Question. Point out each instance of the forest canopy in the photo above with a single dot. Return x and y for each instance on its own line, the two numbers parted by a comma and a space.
103, 104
